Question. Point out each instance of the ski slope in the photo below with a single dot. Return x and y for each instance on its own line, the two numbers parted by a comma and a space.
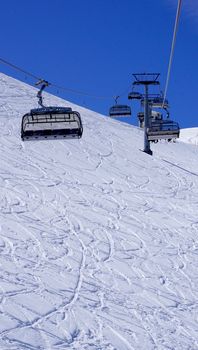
190, 135
98, 240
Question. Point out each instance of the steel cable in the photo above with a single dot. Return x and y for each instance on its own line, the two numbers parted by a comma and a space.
172, 48
77, 92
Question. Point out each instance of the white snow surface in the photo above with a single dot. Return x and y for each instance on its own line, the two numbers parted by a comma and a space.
98, 240
189, 135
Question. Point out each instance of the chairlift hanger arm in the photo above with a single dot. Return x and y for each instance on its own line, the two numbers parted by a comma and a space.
116, 99
39, 94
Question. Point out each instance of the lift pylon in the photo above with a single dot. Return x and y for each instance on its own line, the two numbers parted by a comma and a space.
146, 79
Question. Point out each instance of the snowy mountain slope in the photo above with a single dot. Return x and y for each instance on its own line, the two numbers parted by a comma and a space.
98, 241
190, 135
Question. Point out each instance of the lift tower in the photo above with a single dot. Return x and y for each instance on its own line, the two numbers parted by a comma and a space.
146, 79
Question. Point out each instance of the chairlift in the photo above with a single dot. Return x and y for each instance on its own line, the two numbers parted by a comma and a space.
119, 110
133, 95
154, 116
163, 129
159, 102
50, 122
156, 102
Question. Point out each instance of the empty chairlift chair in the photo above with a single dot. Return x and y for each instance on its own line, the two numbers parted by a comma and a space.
163, 129
156, 101
159, 102
133, 95
119, 110
50, 122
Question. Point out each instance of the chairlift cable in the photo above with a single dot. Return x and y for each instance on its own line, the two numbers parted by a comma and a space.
77, 92
172, 48
19, 69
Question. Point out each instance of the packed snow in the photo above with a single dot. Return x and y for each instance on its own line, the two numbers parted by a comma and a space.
98, 240
190, 135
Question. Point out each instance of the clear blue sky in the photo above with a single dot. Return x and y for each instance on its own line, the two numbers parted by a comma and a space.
96, 45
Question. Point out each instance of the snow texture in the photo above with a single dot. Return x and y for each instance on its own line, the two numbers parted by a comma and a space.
98, 240
190, 135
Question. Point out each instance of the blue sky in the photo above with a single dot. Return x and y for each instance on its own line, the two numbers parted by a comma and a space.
94, 46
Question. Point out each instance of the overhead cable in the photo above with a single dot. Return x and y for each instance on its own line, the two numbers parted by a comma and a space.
172, 47
76, 92
19, 69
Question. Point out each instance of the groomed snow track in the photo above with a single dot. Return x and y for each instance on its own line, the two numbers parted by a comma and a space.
98, 241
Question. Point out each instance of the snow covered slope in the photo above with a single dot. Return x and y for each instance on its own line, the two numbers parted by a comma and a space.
98, 240
189, 135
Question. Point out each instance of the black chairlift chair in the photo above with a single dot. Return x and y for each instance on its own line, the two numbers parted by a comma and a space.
159, 102
163, 129
133, 95
50, 122
156, 102
119, 110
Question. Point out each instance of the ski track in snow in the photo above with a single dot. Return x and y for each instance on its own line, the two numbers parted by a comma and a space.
98, 241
